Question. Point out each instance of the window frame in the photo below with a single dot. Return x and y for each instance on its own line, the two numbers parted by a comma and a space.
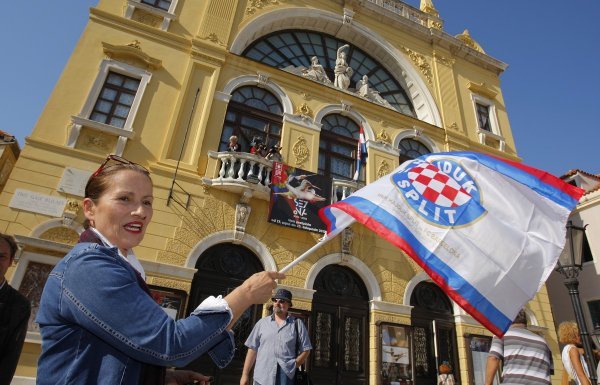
83, 118
328, 154
402, 157
495, 132
493, 119
242, 110
155, 4
114, 104
167, 16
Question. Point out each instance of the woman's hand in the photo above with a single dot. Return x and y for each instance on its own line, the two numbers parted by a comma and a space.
255, 290
259, 287
184, 377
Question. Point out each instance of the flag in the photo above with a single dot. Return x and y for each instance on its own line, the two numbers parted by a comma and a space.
361, 153
488, 231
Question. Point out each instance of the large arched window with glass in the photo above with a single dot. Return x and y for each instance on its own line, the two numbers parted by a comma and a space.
337, 146
293, 49
252, 113
411, 149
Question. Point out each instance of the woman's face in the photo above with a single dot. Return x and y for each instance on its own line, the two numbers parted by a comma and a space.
124, 210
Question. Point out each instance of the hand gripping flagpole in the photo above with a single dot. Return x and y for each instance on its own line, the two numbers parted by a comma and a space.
308, 252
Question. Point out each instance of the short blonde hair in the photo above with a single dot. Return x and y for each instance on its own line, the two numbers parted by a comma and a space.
568, 332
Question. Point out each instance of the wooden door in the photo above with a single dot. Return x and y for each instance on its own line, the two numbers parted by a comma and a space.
221, 269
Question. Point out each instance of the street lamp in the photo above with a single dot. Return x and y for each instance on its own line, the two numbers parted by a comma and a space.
569, 265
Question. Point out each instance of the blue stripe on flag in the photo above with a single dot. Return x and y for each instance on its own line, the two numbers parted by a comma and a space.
453, 280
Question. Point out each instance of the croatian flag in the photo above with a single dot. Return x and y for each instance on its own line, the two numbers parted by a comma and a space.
361, 153
488, 231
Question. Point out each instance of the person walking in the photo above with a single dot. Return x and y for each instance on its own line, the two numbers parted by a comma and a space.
525, 355
278, 344
98, 321
14, 314
572, 355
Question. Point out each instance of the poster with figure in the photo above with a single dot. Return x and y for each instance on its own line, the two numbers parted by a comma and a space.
171, 300
297, 196
479, 347
395, 355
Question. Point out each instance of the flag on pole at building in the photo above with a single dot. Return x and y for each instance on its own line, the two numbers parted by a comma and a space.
488, 231
361, 153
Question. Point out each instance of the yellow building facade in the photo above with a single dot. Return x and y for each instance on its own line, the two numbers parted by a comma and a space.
165, 83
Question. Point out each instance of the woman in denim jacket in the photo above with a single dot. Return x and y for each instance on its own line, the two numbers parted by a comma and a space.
99, 325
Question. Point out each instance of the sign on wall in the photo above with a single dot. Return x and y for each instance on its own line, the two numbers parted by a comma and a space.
38, 203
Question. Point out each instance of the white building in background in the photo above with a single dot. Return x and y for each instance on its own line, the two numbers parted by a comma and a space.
587, 213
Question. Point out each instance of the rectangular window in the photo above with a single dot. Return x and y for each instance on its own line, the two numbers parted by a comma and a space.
587, 251
162, 4
115, 100
594, 307
483, 117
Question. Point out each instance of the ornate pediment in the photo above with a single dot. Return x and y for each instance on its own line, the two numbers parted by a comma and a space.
482, 89
131, 52
468, 40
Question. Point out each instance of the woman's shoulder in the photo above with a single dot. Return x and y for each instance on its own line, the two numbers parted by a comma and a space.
85, 252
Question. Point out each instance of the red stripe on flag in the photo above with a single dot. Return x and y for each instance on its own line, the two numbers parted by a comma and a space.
544, 176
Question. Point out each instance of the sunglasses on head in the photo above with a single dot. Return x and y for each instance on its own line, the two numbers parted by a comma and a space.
275, 300
114, 160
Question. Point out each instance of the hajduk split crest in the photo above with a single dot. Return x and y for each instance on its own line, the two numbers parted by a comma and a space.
441, 192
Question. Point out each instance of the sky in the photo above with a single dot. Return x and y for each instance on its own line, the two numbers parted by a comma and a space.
550, 87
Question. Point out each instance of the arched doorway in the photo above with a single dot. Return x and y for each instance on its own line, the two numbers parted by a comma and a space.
340, 339
222, 268
434, 333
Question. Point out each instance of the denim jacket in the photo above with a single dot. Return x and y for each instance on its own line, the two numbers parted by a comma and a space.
98, 326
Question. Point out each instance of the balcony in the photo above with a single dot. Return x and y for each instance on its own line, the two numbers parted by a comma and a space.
399, 8
250, 176
341, 189
239, 172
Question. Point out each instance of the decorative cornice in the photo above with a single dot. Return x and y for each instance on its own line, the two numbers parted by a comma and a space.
383, 169
300, 151
383, 137
254, 5
449, 62
420, 62
213, 37
131, 51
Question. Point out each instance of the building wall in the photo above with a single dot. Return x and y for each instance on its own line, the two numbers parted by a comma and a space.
200, 51
586, 214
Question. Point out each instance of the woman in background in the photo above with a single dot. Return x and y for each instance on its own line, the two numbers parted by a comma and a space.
572, 357
98, 322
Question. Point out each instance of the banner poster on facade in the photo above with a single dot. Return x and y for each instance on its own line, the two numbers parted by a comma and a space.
296, 197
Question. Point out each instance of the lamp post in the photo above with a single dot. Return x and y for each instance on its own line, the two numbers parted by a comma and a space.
569, 265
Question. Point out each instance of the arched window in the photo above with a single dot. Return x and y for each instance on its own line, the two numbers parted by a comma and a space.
337, 146
252, 113
294, 49
411, 149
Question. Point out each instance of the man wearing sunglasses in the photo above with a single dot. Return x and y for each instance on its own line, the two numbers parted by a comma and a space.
278, 344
